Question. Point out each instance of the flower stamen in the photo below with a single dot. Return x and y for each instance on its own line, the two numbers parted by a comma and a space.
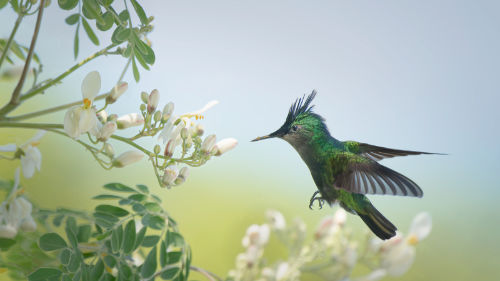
87, 103
412, 240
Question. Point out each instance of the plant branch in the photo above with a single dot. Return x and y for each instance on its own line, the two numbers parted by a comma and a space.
210, 276
11, 38
14, 100
35, 91
52, 109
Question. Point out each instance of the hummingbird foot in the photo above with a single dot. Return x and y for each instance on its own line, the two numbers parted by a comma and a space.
321, 200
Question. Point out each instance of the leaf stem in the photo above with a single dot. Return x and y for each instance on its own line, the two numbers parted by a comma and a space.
11, 38
14, 100
210, 276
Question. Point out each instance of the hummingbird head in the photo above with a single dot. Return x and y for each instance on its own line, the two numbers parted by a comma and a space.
301, 123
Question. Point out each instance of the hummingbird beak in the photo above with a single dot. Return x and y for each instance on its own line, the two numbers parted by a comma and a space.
263, 138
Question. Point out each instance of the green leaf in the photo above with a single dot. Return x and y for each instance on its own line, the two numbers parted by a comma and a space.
112, 210
163, 254
187, 266
106, 197
74, 261
150, 241
67, 4
153, 207
76, 42
45, 274
106, 23
156, 198
106, 2
135, 71
73, 19
52, 241
138, 208
83, 233
116, 239
64, 256
91, 9
71, 237
150, 264
140, 237
143, 188
3, 3
170, 273
124, 15
110, 261
138, 197
140, 12
71, 223
118, 187
97, 271
174, 239
6, 243
90, 32
15, 5
129, 237
124, 271
58, 220
141, 60
155, 222
173, 257
77, 276
105, 220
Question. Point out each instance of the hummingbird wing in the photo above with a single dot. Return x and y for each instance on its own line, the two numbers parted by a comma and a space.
377, 153
365, 176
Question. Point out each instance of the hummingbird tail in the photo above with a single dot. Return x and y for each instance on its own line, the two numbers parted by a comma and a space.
378, 224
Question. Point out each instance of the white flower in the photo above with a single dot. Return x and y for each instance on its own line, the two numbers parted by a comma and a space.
374, 275
208, 143
398, 253
129, 120
127, 158
207, 106
257, 235
104, 132
31, 158
330, 225
225, 145
169, 176
153, 100
282, 270
81, 119
167, 111
183, 174
276, 219
116, 92
15, 213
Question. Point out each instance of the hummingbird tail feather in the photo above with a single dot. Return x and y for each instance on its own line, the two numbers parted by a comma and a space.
378, 224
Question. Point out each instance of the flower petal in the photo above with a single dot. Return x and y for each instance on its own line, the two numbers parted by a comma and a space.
39, 134
399, 259
88, 120
72, 121
91, 85
421, 226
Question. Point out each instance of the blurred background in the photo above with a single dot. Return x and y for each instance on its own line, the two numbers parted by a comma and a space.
416, 75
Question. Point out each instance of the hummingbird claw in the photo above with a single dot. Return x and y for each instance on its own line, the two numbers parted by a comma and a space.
321, 200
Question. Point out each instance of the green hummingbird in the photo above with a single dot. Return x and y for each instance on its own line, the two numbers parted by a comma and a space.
344, 171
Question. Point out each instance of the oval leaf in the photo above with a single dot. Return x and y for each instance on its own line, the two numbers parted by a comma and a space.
52, 241
150, 264
112, 210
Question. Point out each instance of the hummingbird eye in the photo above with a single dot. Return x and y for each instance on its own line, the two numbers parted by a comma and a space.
295, 128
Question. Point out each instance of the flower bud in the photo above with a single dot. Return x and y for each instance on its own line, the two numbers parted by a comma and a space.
225, 145
127, 158
102, 116
153, 100
106, 131
142, 107
129, 120
169, 176
208, 143
116, 92
169, 149
112, 117
157, 116
188, 142
144, 97
167, 111
28, 224
183, 174
199, 130
184, 133
7, 231
157, 149
108, 149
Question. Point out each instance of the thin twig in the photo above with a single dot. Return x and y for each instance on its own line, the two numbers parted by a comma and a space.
210, 276
11, 38
14, 100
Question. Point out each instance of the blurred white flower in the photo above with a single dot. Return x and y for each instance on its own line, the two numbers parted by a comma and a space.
127, 158
375, 275
198, 113
276, 219
15, 213
167, 111
330, 225
129, 120
256, 235
183, 174
225, 145
398, 253
153, 100
169, 176
30, 155
81, 119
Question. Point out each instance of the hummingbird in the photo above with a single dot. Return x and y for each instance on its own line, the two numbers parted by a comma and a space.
344, 171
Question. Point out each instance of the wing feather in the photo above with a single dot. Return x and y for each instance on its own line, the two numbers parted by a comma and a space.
377, 153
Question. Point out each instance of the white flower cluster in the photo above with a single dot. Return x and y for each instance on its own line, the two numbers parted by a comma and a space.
173, 132
15, 213
28, 153
332, 254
